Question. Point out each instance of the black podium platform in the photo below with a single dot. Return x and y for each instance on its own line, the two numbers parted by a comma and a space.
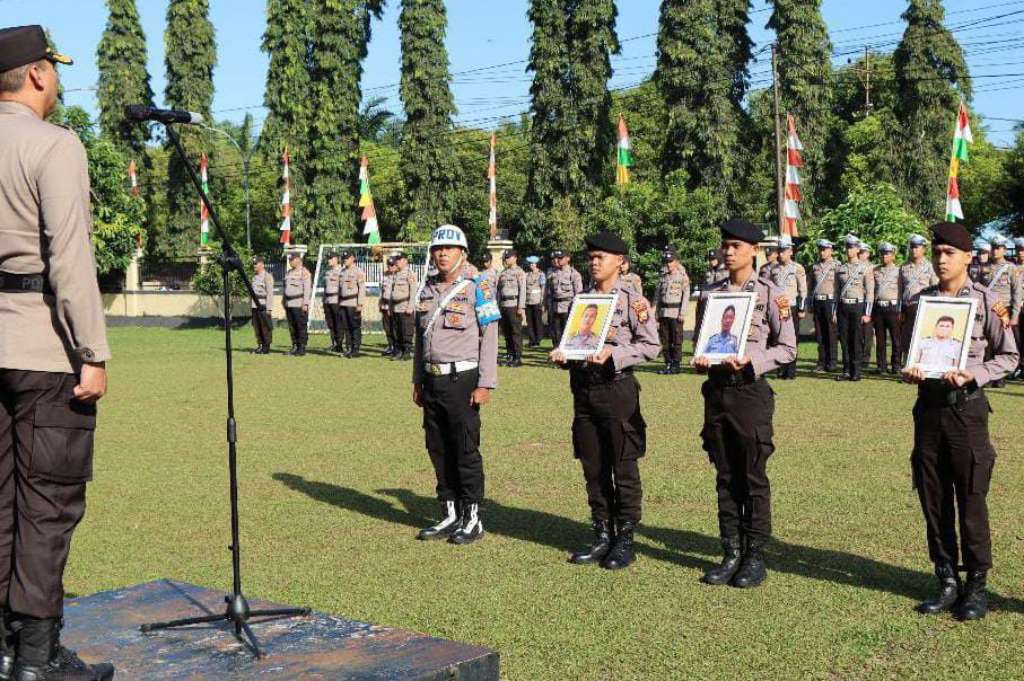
105, 627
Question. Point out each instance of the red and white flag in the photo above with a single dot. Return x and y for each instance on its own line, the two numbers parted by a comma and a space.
286, 202
133, 177
492, 175
794, 161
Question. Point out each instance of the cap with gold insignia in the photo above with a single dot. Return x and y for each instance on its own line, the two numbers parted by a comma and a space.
22, 45
742, 231
952, 234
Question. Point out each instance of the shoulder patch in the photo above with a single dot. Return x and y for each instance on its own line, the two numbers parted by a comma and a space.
783, 304
642, 310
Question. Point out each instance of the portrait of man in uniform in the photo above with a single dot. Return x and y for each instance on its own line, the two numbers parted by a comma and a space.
724, 326
587, 329
941, 328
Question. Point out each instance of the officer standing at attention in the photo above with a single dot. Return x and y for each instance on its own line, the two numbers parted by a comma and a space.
671, 297
980, 270
867, 332
403, 288
916, 275
1005, 285
1018, 244
298, 290
52, 359
487, 271
608, 431
855, 293
332, 313
886, 313
823, 299
953, 454
739, 407
549, 298
716, 270
789, 276
454, 372
771, 260
627, 277
512, 303
564, 284
351, 301
262, 322
535, 293
384, 305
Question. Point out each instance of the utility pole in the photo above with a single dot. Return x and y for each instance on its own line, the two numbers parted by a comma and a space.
867, 80
780, 183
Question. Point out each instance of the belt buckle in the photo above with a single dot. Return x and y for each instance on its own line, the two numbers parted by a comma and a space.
434, 369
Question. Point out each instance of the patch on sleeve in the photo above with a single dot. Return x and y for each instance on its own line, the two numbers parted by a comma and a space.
783, 303
999, 307
642, 310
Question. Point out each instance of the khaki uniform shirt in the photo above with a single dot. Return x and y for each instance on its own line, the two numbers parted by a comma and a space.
914, 279
771, 341
263, 285
714, 274
353, 287
385, 292
632, 334
855, 281
792, 279
453, 334
980, 272
298, 287
887, 285
403, 288
45, 226
987, 332
632, 280
563, 285
767, 269
512, 288
672, 295
823, 279
1005, 284
535, 285
331, 285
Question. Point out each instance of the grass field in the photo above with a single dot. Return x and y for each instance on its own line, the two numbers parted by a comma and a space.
335, 481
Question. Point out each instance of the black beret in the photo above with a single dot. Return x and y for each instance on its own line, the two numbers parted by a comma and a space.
22, 45
742, 230
952, 234
607, 242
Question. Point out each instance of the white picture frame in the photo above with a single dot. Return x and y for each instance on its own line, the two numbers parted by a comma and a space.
586, 328
936, 345
718, 337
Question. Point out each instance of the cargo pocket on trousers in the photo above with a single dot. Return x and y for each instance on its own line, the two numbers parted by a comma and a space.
62, 442
984, 460
634, 438
765, 445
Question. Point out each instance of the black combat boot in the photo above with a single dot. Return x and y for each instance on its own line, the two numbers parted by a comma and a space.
598, 549
753, 571
723, 573
258, 350
517, 361
7, 646
949, 591
388, 351
41, 657
470, 526
974, 603
358, 343
300, 350
666, 370
449, 523
621, 554
295, 349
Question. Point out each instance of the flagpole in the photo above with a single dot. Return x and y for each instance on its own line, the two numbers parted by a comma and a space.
780, 187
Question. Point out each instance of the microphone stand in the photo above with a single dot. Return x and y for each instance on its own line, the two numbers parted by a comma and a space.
237, 611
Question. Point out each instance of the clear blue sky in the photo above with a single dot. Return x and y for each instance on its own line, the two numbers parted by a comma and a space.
484, 33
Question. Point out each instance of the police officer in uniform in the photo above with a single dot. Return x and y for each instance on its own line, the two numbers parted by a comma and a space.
512, 303
867, 334
52, 359
855, 294
487, 271
716, 270
953, 455
298, 290
823, 300
671, 297
384, 305
886, 313
454, 372
332, 313
1018, 244
980, 270
403, 288
1005, 285
789, 276
739, 407
351, 299
565, 282
262, 322
627, 277
771, 261
608, 431
536, 283
916, 275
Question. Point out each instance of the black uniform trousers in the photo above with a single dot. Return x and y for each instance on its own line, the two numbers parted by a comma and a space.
403, 326
46, 447
558, 320
848, 319
952, 466
907, 318
332, 317
887, 321
297, 319
512, 330
1020, 344
737, 436
263, 325
452, 428
352, 326
609, 437
867, 340
389, 332
671, 336
535, 323
825, 332
789, 370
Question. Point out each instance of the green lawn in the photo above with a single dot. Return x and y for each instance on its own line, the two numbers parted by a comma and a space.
335, 481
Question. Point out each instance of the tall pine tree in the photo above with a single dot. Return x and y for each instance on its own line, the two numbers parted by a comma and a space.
805, 76
427, 166
931, 76
191, 54
733, 17
123, 78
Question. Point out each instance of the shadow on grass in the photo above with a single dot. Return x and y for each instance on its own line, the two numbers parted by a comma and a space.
677, 546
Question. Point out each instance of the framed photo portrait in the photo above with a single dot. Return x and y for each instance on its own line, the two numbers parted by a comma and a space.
590, 317
725, 325
942, 330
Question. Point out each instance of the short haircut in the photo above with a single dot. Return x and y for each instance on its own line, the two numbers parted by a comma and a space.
590, 307
258, 260
945, 318
13, 80
731, 308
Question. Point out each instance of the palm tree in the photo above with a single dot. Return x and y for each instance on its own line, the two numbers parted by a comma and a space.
374, 119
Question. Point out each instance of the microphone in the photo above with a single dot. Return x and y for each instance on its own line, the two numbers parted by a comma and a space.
138, 112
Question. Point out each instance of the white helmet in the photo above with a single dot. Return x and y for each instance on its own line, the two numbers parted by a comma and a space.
449, 235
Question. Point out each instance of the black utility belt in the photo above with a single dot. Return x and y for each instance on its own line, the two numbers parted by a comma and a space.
24, 283
395, 301
287, 297
944, 396
586, 377
671, 306
355, 295
853, 301
886, 303
733, 379
505, 299
822, 298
